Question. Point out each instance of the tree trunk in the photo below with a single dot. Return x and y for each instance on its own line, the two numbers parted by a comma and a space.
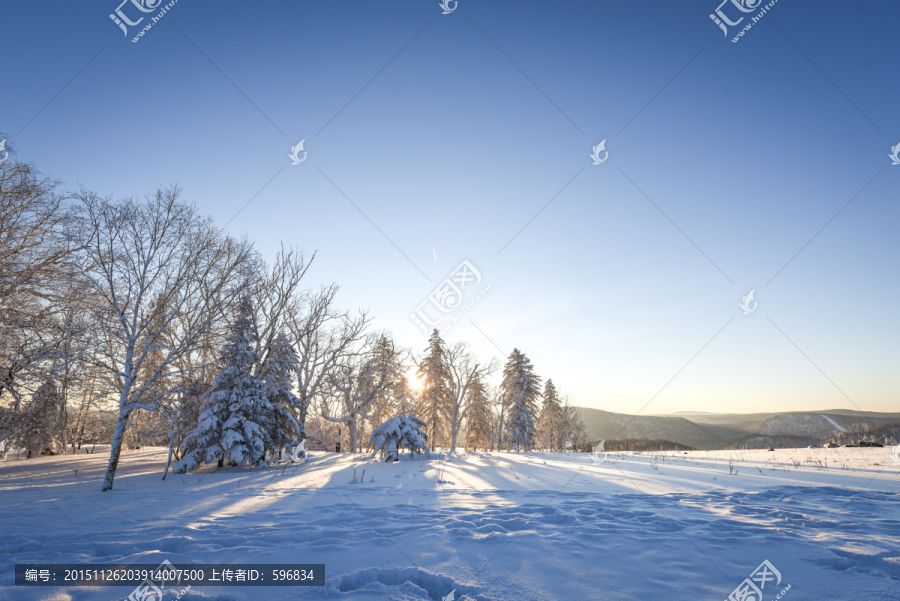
500, 430
65, 419
352, 426
171, 441
115, 451
454, 428
454, 433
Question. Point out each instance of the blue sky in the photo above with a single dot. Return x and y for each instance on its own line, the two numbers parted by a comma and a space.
451, 132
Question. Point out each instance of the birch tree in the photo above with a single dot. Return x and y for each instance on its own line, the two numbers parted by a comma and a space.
159, 270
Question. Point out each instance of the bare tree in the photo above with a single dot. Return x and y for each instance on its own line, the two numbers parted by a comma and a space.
277, 297
325, 339
465, 372
358, 388
35, 252
572, 427
160, 271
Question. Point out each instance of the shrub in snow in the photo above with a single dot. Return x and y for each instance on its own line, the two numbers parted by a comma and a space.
403, 431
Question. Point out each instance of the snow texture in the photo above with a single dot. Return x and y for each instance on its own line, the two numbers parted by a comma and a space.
497, 527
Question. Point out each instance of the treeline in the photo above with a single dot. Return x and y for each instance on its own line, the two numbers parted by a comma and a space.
886, 434
142, 315
644, 444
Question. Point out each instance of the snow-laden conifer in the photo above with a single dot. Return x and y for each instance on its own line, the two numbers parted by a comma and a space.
551, 423
233, 420
403, 431
434, 398
520, 391
278, 374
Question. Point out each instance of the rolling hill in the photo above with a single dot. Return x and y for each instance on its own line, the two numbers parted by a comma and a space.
711, 430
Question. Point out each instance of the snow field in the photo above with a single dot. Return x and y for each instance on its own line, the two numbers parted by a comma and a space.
491, 526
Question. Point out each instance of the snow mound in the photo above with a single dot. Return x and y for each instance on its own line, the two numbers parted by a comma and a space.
400, 583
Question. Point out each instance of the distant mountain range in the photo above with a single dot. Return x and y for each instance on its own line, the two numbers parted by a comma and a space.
722, 430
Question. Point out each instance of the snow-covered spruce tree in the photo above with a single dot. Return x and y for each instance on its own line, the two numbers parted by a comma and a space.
403, 431
478, 421
38, 420
229, 430
278, 373
550, 423
434, 398
520, 391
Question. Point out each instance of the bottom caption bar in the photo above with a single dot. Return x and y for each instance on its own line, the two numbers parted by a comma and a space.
152, 579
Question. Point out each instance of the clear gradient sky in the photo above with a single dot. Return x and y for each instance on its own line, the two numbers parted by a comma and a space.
451, 132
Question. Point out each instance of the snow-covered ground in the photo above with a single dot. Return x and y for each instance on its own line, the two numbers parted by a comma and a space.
494, 526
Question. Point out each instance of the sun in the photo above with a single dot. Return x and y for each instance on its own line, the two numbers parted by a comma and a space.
414, 383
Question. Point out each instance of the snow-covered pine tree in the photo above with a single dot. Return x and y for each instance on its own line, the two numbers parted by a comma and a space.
434, 398
550, 424
38, 419
278, 373
403, 431
520, 391
229, 430
478, 421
